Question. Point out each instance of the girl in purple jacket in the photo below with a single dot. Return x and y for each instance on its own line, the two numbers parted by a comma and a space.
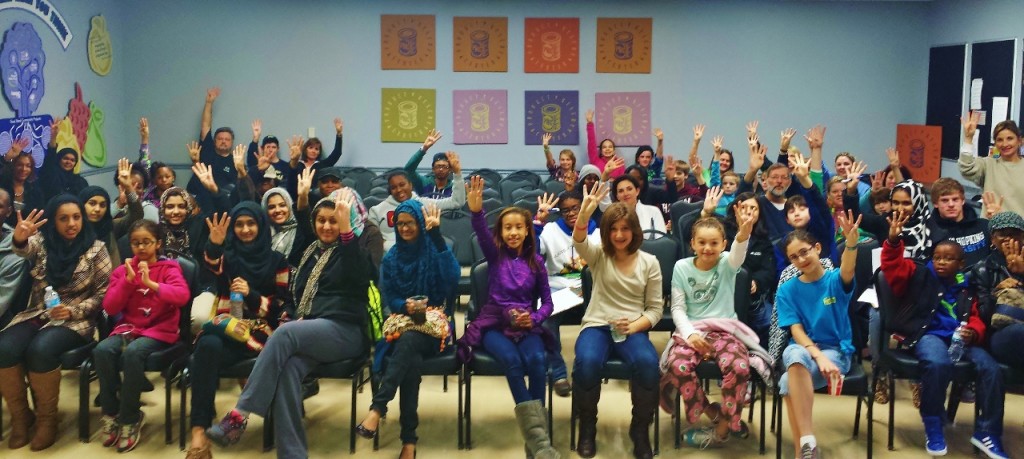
509, 323
146, 294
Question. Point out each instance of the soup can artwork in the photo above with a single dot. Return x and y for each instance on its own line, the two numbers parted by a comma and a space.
407, 114
407, 41
623, 45
551, 46
479, 44
916, 153
622, 119
551, 117
480, 117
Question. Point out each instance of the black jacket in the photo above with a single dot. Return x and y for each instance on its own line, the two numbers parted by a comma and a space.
971, 233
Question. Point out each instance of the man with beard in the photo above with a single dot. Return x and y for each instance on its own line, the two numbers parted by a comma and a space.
214, 151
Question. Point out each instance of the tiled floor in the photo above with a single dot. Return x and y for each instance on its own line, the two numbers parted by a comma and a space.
495, 434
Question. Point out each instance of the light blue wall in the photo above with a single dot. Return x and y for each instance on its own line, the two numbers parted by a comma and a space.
858, 67
65, 67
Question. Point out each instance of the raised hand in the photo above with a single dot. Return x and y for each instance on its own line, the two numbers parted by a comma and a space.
343, 202
204, 173
800, 165
714, 195
893, 156
849, 225
716, 143
28, 226
475, 194
1014, 254
129, 272
746, 219
877, 180
263, 160
238, 156
305, 183
897, 221
786, 137
590, 116
545, 139
853, 176
193, 151
432, 137
218, 227
591, 199
454, 162
696, 168
55, 128
339, 126
124, 173
815, 137
295, 149
431, 216
698, 132
544, 205
670, 168
993, 204
143, 130
212, 94
757, 154
752, 128
257, 129
970, 124
660, 135
612, 164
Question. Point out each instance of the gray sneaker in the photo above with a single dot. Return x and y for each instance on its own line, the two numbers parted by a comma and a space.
809, 452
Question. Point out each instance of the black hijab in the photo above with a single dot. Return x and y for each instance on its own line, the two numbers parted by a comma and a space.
62, 255
106, 224
254, 261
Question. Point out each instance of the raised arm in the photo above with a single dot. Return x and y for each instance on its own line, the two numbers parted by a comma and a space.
970, 166
592, 147
591, 198
894, 164
207, 121
815, 139
335, 155
458, 197
550, 160
757, 154
848, 264
414, 161
475, 200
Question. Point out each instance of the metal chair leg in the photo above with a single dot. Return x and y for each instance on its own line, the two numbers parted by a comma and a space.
462, 413
83, 399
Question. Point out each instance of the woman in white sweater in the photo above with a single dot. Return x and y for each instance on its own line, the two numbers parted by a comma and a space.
999, 175
626, 189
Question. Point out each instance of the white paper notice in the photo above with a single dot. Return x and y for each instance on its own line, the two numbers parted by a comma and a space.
976, 85
1000, 106
564, 300
876, 258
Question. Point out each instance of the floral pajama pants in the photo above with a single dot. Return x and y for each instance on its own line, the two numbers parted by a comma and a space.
732, 358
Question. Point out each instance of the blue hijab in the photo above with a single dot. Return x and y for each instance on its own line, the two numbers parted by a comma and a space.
416, 266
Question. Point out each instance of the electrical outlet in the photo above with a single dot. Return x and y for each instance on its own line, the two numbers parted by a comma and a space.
311, 132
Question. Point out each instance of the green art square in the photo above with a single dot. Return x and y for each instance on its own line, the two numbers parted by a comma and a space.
407, 115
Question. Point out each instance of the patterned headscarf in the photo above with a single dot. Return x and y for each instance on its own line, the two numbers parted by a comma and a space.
915, 233
176, 236
308, 290
284, 234
415, 266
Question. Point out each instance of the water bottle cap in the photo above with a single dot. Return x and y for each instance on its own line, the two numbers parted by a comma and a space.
49, 288
236, 296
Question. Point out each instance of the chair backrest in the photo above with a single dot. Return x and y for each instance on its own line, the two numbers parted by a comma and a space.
682, 232
124, 247
478, 290
363, 178
478, 253
887, 306
190, 271
371, 201
492, 216
492, 203
680, 208
528, 204
666, 250
491, 177
456, 225
350, 183
530, 176
554, 186
492, 193
381, 192
863, 272
742, 295
508, 186
527, 194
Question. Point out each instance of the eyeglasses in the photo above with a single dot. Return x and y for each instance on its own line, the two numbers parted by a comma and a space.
442, 166
405, 224
142, 244
801, 254
571, 210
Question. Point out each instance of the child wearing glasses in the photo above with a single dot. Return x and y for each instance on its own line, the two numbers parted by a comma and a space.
146, 293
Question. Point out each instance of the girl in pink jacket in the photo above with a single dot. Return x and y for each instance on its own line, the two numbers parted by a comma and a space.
145, 296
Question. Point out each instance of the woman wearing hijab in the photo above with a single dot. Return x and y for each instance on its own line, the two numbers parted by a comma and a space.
369, 236
330, 290
58, 174
278, 205
420, 263
97, 210
66, 256
240, 256
908, 197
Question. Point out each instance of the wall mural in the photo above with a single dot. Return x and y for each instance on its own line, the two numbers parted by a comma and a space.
624, 117
624, 45
551, 45
480, 117
480, 44
407, 42
22, 61
407, 115
101, 53
553, 112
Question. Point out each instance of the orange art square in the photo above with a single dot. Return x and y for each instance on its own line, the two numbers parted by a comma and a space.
624, 45
407, 42
920, 149
552, 45
480, 44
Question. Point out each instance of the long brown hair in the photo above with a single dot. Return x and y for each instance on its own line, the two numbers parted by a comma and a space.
529, 248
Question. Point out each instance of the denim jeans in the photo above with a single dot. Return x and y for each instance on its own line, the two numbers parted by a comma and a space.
524, 358
117, 353
594, 347
795, 354
1004, 342
937, 373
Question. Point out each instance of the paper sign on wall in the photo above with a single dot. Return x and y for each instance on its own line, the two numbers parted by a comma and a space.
624, 117
1000, 108
480, 117
920, 149
976, 85
406, 115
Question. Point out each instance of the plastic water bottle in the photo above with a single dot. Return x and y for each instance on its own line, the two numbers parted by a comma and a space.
956, 344
237, 304
51, 299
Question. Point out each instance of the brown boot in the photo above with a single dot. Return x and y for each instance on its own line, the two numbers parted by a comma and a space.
46, 390
586, 409
645, 405
15, 393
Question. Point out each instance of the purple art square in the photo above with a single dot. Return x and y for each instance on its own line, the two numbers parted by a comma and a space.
480, 116
554, 112
624, 117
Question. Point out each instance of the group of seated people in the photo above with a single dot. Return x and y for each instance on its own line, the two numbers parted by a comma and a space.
291, 261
